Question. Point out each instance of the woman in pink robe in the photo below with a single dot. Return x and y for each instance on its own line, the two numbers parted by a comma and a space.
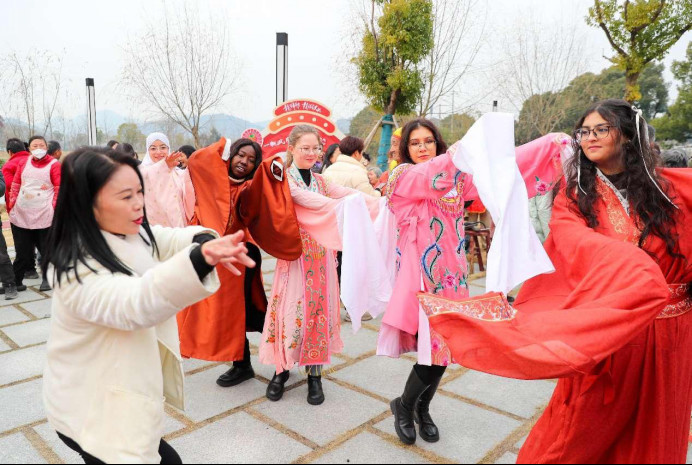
426, 194
170, 199
303, 324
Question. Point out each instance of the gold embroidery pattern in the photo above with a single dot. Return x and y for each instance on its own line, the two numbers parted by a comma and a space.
680, 302
393, 179
623, 225
489, 307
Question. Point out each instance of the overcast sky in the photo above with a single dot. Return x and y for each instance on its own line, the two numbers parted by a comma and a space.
91, 35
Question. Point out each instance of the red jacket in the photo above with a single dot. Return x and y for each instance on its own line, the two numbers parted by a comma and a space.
10, 169
17, 178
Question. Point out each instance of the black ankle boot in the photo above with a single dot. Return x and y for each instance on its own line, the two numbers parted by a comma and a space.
428, 429
275, 390
236, 375
241, 371
403, 408
315, 392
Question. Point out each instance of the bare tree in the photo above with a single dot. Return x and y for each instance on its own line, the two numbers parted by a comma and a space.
33, 83
539, 61
182, 66
459, 27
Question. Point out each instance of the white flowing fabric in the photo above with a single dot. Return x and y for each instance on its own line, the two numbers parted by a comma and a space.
366, 284
487, 152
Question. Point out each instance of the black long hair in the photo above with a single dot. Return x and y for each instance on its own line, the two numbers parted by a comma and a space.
239, 144
328, 157
655, 214
75, 235
404, 153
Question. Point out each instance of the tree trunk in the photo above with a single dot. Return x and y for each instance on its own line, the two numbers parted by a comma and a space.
195, 135
632, 93
386, 136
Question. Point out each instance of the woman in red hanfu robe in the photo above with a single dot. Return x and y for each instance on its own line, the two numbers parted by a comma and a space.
237, 192
613, 322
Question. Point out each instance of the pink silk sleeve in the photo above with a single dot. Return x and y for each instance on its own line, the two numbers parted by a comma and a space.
425, 181
318, 214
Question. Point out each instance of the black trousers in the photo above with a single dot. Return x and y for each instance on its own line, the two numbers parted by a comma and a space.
6, 270
254, 318
167, 453
25, 241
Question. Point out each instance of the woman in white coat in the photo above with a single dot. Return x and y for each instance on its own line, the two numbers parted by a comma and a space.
113, 353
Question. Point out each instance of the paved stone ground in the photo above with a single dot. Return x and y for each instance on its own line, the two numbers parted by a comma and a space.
483, 419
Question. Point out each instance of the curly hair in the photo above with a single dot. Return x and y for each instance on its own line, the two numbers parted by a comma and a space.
655, 214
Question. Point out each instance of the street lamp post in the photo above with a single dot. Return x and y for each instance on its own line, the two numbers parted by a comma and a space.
91, 111
281, 68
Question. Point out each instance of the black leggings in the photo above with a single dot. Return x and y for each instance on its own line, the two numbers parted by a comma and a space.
167, 453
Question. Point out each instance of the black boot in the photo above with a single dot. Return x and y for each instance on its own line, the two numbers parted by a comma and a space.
275, 390
241, 371
428, 429
404, 406
315, 392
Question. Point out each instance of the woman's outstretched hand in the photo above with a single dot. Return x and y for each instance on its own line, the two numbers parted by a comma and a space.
227, 251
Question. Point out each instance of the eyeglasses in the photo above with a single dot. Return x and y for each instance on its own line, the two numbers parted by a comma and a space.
417, 145
601, 132
309, 151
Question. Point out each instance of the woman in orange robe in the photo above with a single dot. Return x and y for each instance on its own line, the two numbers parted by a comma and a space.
237, 192
613, 322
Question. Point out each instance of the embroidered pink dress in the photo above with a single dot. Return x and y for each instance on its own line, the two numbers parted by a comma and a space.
303, 325
428, 203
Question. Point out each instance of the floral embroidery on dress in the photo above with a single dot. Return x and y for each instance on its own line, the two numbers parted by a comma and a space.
489, 307
432, 254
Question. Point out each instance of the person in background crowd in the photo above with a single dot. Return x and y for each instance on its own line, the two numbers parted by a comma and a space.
330, 156
127, 149
366, 159
393, 159
112, 359
348, 170
18, 151
9, 287
31, 205
113, 144
675, 158
171, 199
188, 150
55, 150
374, 175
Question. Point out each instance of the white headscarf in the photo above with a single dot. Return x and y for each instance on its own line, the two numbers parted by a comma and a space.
153, 137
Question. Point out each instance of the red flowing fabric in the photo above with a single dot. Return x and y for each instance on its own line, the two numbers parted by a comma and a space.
625, 392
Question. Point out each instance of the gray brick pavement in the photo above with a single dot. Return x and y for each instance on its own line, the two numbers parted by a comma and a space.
482, 418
